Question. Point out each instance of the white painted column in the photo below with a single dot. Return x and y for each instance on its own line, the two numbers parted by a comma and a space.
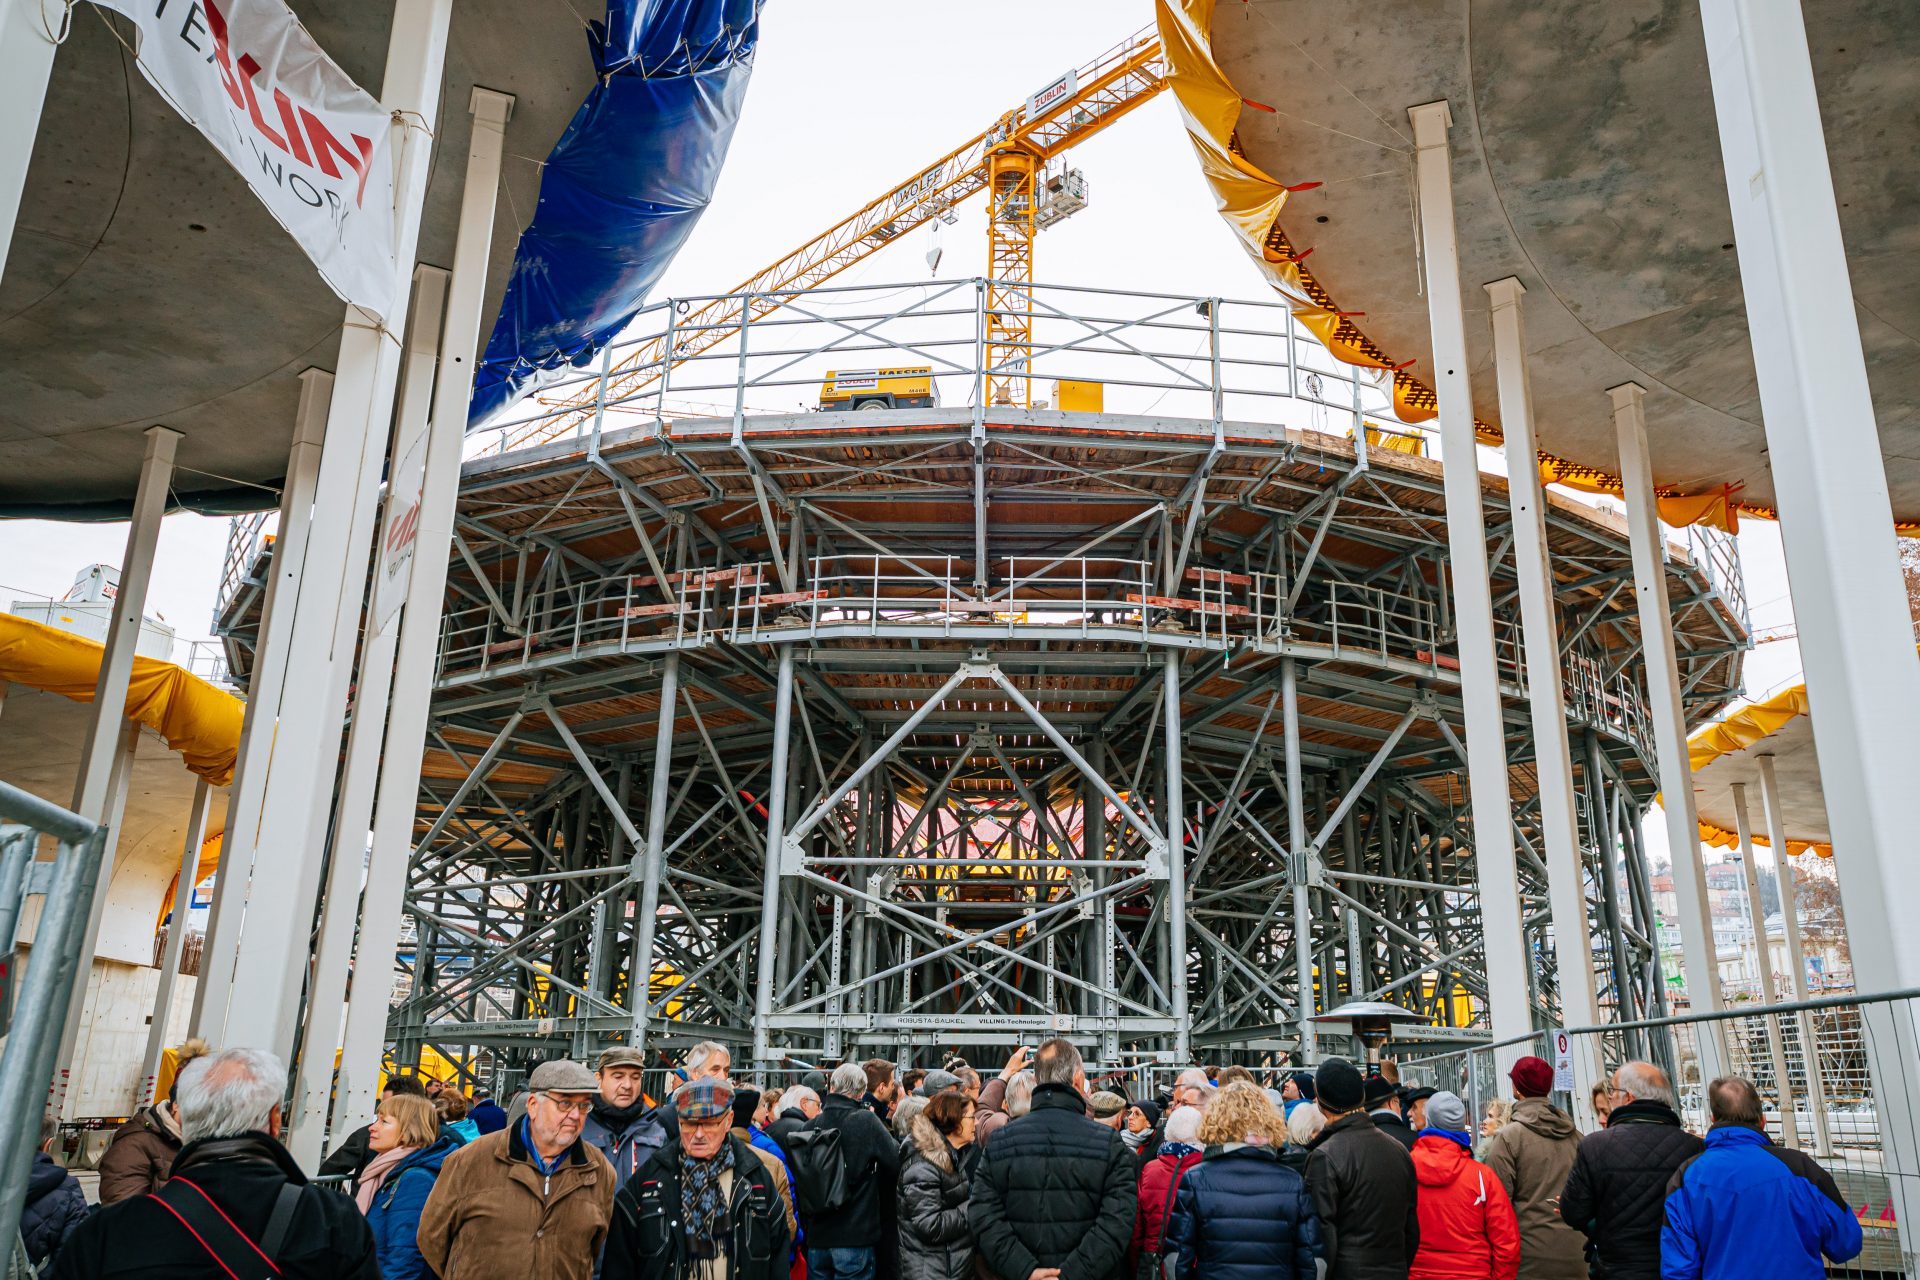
94, 790
397, 795
1546, 690
176, 940
1488, 792
30, 31
263, 700
271, 960
1664, 707
353, 812
1763, 964
1796, 952
649, 866
1836, 521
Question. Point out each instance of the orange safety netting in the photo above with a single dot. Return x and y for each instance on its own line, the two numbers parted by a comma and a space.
1251, 201
200, 722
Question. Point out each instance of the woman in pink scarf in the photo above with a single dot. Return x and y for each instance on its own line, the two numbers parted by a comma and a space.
408, 1149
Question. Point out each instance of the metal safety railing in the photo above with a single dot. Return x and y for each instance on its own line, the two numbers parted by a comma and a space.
36, 1015
1141, 353
1835, 1077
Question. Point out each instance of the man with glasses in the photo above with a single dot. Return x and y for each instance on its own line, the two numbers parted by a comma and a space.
707, 1206
530, 1200
1616, 1193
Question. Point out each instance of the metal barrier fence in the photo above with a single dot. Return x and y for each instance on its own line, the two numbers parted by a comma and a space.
66, 884
1836, 1078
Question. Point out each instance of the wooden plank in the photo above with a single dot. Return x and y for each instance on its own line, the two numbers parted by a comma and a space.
651, 610
1437, 659
785, 597
1219, 575
1192, 606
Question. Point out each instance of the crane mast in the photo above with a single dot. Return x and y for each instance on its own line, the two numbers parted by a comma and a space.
1007, 160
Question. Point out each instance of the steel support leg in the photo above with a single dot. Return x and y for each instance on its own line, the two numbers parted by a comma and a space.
176, 941
1796, 951
1176, 824
1856, 636
1546, 690
652, 861
770, 870
95, 790
1499, 879
264, 686
1299, 872
1763, 965
1668, 713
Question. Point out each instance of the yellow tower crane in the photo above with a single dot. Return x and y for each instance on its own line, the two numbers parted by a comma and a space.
1009, 161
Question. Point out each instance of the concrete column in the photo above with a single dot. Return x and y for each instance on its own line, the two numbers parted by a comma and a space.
263, 699
271, 960
770, 870
1836, 521
95, 790
1669, 716
1796, 952
1763, 964
1491, 801
1546, 689
30, 33
651, 865
1176, 825
353, 811
176, 940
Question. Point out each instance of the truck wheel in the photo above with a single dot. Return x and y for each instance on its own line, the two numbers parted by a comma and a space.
873, 404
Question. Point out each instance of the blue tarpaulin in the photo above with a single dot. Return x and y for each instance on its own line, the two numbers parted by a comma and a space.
623, 187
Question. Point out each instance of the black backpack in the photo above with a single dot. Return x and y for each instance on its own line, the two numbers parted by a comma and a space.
822, 1182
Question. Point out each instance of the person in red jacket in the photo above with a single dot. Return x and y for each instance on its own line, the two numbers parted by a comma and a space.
1160, 1182
1468, 1230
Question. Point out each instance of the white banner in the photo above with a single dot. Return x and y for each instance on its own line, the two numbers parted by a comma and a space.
400, 530
314, 146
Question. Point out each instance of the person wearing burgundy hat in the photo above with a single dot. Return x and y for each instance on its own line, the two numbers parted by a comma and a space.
1532, 1155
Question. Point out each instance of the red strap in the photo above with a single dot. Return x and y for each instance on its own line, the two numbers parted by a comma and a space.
160, 1198
196, 1235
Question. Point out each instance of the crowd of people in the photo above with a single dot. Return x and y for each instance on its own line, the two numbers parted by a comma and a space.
868, 1173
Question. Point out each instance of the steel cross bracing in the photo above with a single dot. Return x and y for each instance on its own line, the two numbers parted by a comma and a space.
976, 843
920, 738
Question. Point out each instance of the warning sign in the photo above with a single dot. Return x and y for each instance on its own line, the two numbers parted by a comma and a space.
1562, 1062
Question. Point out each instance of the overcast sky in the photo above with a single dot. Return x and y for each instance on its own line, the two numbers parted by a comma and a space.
850, 97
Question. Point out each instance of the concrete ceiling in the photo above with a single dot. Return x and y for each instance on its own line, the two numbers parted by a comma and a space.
1586, 162
1803, 805
146, 285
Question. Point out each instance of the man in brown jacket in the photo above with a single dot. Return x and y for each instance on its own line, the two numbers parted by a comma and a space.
530, 1200
1532, 1155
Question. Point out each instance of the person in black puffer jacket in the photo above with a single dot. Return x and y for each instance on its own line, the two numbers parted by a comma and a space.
55, 1204
1363, 1184
936, 1242
1055, 1189
1617, 1191
1241, 1214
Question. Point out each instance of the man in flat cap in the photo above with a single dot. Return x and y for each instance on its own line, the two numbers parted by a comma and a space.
622, 1125
530, 1200
707, 1206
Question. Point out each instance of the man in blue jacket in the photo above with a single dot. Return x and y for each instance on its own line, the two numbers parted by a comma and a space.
1744, 1207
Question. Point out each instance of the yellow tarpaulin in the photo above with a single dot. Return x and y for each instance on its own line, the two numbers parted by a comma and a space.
200, 722
1737, 732
1251, 201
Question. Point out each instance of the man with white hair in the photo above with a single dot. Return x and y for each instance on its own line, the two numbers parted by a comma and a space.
235, 1196
1616, 1193
844, 1166
708, 1060
798, 1105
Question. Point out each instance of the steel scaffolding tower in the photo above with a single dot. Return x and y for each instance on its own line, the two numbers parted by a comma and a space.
920, 731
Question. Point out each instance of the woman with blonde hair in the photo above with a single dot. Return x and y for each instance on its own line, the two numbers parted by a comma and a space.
1242, 1214
408, 1149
